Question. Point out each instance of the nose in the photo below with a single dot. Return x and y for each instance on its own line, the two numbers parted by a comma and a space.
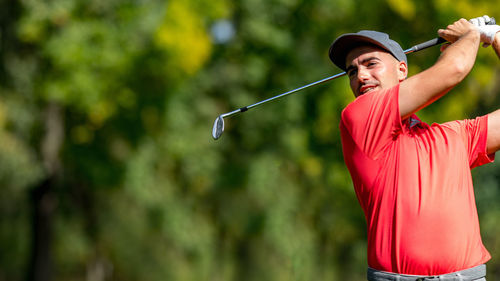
363, 74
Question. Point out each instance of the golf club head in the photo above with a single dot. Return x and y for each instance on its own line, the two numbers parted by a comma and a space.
218, 127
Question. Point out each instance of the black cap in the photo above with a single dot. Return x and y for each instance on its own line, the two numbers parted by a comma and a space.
345, 43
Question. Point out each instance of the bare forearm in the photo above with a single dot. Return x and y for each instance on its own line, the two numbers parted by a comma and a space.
496, 44
461, 55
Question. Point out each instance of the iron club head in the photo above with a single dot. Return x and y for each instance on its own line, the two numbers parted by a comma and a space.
218, 127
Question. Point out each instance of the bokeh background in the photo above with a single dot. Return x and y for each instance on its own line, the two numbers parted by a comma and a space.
108, 170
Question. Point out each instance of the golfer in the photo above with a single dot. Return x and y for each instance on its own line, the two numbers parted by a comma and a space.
413, 180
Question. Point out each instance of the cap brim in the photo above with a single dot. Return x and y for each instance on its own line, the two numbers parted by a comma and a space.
344, 44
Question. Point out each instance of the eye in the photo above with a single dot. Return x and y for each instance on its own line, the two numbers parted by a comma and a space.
371, 62
351, 72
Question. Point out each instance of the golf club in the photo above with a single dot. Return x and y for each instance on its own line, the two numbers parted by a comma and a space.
218, 127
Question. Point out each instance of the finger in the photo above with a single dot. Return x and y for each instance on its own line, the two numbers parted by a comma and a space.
481, 21
442, 32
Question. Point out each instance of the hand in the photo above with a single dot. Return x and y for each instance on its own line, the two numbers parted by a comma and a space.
487, 32
456, 30
480, 21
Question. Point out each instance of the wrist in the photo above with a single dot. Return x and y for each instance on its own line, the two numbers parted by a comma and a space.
474, 34
488, 33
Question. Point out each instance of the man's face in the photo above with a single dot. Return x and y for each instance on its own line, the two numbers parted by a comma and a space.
370, 68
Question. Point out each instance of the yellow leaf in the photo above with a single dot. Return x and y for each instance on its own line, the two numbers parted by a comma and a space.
184, 36
405, 8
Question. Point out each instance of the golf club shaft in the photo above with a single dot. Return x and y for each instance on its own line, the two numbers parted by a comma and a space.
293, 91
416, 48
218, 127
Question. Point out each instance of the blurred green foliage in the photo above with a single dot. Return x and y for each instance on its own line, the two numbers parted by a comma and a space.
112, 103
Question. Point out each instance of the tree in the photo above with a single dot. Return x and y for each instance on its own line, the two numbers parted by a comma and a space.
107, 167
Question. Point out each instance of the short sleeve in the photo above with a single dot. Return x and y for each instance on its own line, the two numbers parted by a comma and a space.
474, 133
373, 120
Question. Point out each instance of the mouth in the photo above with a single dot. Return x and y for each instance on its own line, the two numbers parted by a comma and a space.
367, 88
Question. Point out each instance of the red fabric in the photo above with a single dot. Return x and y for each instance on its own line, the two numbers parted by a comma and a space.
414, 184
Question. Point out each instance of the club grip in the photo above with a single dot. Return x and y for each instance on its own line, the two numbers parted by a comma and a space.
437, 41
427, 44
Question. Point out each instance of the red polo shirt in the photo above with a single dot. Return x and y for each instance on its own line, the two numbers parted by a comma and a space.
414, 184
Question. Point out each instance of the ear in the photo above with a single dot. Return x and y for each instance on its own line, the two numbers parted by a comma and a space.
402, 71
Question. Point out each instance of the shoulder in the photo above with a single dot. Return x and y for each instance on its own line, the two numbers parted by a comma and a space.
371, 103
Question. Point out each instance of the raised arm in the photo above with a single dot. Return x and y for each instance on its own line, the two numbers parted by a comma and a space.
453, 65
493, 140
496, 44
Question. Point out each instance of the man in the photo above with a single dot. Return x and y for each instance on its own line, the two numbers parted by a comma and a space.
413, 180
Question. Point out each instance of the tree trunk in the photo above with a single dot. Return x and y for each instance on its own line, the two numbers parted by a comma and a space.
43, 208
44, 199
